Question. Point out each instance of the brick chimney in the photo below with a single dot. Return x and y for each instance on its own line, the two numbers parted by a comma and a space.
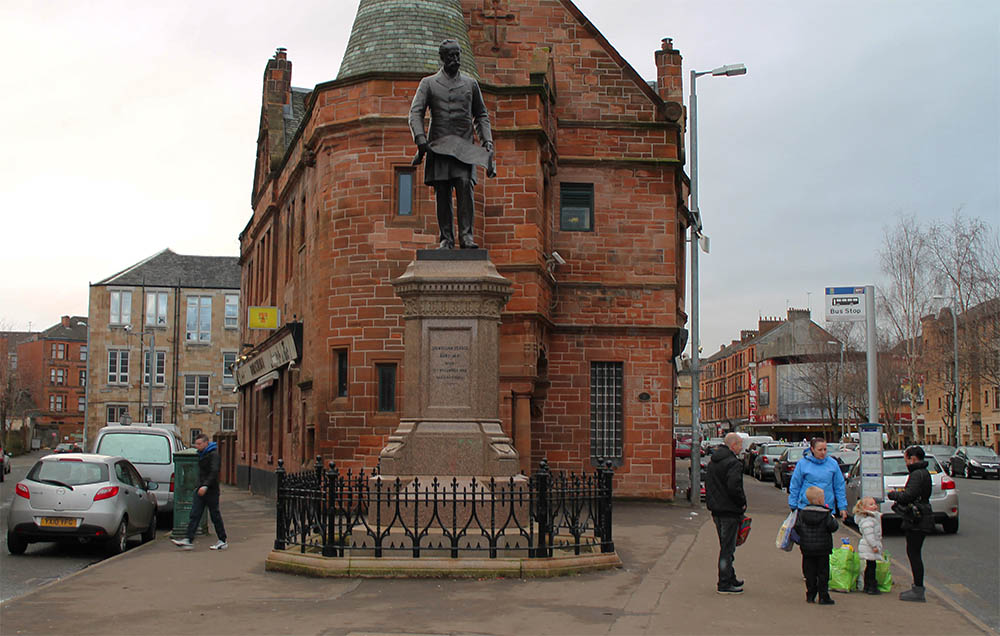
798, 314
747, 334
668, 80
767, 323
65, 321
277, 94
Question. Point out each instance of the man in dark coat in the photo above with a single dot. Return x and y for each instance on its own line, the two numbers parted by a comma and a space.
724, 496
206, 496
457, 108
914, 503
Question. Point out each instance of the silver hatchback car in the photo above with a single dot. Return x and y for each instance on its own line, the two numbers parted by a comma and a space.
82, 497
944, 493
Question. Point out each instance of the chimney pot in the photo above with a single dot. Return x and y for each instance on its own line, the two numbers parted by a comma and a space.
65, 321
667, 44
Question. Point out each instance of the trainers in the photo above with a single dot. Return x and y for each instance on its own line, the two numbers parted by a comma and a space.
219, 545
730, 590
183, 544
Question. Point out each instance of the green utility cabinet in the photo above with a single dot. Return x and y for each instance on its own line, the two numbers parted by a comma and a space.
185, 485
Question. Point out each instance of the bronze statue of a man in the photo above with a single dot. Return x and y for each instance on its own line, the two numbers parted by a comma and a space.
456, 108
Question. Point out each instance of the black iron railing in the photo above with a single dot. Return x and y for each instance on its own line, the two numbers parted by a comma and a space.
335, 514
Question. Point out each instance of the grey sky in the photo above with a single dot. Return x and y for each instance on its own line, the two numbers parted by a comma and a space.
131, 127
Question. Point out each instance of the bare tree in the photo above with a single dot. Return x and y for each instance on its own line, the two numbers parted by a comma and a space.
907, 295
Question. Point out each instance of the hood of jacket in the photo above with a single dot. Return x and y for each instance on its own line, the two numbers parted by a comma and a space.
208, 449
916, 466
722, 453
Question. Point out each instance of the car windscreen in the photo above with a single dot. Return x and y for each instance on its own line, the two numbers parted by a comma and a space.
847, 457
897, 466
71, 472
774, 450
795, 454
941, 452
977, 452
138, 448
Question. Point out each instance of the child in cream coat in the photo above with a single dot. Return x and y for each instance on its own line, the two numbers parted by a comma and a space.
869, 522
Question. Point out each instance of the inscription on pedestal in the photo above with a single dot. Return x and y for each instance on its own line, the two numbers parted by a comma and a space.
449, 368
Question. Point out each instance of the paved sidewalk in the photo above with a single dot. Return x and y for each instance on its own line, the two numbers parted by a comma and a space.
667, 586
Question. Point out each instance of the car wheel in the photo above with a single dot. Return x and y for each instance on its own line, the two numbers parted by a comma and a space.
119, 541
950, 525
150, 533
16, 544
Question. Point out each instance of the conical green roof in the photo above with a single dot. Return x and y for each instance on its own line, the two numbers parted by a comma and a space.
403, 36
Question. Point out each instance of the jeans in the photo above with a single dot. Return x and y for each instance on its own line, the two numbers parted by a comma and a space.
211, 500
816, 569
727, 527
914, 544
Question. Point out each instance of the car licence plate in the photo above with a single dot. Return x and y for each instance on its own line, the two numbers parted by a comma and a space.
990, 470
57, 522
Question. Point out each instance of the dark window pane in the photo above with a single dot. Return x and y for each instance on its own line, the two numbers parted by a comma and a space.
404, 192
342, 373
386, 387
576, 207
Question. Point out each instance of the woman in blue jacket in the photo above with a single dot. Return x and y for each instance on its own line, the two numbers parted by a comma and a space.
817, 469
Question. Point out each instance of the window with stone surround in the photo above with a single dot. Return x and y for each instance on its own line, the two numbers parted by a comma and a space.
160, 372
607, 418
157, 415
340, 371
57, 376
57, 402
232, 311
156, 309
199, 319
228, 361
404, 180
576, 207
58, 351
196, 390
386, 374
121, 307
228, 418
115, 413
117, 366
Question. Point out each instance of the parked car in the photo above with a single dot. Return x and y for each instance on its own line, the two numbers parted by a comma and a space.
944, 493
846, 459
682, 449
4, 462
942, 453
767, 459
712, 442
77, 496
67, 447
975, 461
151, 449
785, 466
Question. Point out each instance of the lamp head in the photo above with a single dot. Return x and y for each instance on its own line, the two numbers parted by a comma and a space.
730, 70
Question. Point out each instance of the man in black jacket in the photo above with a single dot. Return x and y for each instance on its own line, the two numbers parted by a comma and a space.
914, 503
207, 495
725, 498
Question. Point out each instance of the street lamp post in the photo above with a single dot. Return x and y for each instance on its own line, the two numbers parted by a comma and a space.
696, 232
954, 400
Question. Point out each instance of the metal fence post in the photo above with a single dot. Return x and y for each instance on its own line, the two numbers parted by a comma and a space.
542, 484
330, 548
606, 476
279, 524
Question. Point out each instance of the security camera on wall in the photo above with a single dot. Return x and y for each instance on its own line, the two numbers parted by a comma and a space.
558, 259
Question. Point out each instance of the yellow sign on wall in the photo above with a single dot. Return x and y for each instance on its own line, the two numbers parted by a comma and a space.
263, 317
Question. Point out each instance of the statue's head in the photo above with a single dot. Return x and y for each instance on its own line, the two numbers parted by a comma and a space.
451, 56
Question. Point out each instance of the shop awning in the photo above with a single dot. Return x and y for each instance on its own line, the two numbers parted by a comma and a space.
265, 381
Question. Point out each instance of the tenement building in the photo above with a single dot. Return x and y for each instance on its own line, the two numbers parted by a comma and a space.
164, 335
586, 216
51, 366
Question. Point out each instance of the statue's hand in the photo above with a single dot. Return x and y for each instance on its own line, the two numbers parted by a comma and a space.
419, 157
491, 165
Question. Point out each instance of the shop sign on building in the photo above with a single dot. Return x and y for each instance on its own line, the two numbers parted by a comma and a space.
269, 358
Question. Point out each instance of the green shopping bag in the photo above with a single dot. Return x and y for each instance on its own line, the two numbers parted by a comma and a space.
844, 569
883, 574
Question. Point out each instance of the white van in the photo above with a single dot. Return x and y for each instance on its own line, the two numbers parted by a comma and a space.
151, 449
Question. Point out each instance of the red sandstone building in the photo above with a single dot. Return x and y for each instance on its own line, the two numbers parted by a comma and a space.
589, 165
52, 367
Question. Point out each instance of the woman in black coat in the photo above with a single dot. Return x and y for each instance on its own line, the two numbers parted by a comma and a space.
913, 504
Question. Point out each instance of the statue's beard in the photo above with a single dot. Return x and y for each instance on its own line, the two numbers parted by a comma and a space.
452, 67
